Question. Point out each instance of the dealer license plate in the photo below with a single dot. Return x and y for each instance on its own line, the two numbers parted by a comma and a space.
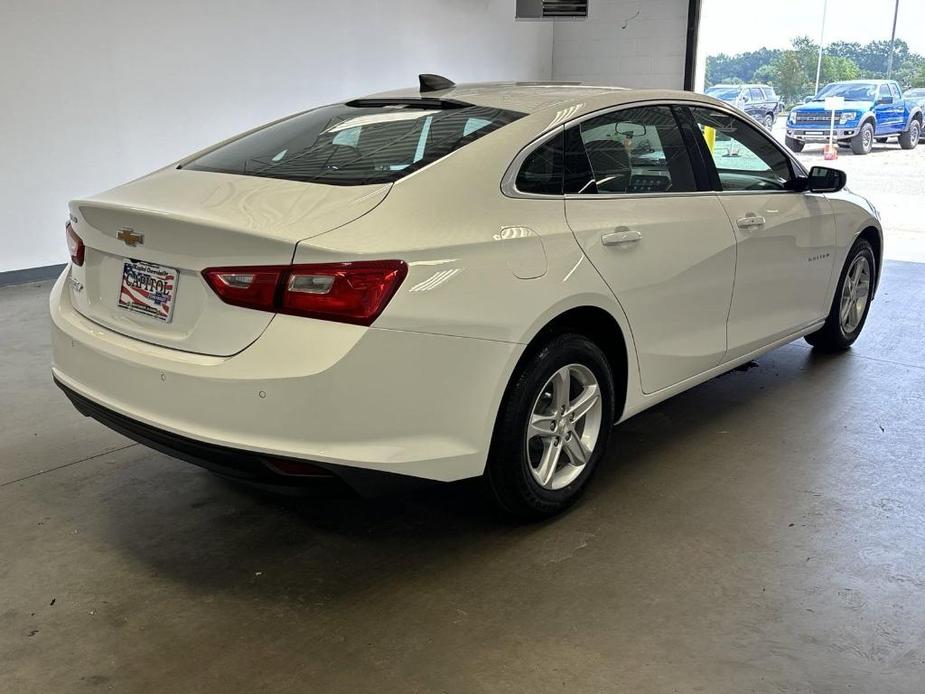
148, 289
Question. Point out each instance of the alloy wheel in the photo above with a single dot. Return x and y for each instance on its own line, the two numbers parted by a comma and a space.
564, 426
854, 295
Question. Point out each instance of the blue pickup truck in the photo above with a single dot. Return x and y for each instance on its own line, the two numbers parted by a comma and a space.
874, 110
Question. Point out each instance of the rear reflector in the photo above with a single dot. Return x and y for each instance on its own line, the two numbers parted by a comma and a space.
354, 292
75, 245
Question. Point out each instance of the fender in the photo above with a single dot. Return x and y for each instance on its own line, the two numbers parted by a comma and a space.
916, 111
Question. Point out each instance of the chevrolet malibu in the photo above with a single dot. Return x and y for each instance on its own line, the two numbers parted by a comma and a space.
451, 282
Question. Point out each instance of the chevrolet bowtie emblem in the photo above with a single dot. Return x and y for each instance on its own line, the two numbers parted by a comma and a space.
130, 237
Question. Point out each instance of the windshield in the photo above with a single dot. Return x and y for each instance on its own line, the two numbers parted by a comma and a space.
724, 93
852, 91
354, 145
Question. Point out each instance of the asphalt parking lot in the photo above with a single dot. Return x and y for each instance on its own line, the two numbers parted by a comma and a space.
894, 180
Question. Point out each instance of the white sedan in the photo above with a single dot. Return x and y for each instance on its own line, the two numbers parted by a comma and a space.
451, 282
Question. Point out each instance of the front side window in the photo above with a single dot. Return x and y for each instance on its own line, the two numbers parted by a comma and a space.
745, 158
354, 145
884, 92
632, 151
756, 94
896, 94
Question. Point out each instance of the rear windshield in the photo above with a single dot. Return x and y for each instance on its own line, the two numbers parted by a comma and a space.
354, 145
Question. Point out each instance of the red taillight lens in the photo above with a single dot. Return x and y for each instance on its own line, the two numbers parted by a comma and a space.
347, 292
251, 287
75, 245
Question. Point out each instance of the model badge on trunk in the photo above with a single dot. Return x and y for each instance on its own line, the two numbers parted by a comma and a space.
130, 237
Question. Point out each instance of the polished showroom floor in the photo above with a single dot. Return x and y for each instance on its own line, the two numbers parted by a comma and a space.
764, 532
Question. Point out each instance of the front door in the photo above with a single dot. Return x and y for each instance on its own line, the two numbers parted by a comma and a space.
785, 239
662, 243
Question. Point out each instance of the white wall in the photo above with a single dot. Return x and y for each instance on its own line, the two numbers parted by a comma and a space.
648, 52
100, 91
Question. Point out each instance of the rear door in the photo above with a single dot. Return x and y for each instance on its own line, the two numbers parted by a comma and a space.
888, 117
785, 239
659, 239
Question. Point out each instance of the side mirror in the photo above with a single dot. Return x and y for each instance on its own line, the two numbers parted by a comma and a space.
825, 180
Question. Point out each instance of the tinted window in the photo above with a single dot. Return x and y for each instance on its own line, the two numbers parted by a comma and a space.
541, 171
897, 95
348, 145
884, 92
637, 150
745, 158
756, 95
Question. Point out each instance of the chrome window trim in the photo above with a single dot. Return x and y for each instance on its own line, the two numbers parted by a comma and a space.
509, 180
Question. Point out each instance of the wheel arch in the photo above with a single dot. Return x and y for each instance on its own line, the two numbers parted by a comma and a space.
601, 327
873, 236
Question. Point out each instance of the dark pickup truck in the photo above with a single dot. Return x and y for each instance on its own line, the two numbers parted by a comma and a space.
758, 100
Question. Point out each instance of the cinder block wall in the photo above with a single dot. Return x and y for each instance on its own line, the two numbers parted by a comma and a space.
628, 43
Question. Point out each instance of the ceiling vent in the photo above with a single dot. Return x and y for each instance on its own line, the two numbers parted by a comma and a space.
552, 9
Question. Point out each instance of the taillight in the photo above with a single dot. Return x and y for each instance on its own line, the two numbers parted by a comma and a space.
354, 292
75, 245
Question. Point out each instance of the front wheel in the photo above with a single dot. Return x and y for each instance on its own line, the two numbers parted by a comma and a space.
851, 303
910, 138
769, 121
863, 141
552, 429
794, 145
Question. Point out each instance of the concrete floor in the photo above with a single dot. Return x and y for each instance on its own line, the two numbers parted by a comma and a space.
764, 532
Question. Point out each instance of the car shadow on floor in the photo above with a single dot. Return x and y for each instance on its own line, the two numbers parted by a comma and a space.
214, 535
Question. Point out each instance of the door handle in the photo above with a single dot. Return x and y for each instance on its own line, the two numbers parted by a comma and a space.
751, 221
616, 238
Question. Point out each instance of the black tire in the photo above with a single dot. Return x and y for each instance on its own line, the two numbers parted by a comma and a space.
508, 476
769, 121
863, 141
794, 145
910, 138
832, 337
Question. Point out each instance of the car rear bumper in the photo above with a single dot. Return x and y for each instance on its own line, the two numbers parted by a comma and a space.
331, 394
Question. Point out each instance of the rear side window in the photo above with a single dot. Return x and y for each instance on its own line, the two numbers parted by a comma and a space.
354, 145
638, 150
542, 170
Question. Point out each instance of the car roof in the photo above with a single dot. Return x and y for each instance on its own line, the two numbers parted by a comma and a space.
536, 97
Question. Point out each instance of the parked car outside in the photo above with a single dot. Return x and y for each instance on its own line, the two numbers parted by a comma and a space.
917, 96
451, 282
873, 110
760, 101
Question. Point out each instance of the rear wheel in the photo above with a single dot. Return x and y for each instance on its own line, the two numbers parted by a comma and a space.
863, 142
851, 303
552, 429
910, 138
794, 145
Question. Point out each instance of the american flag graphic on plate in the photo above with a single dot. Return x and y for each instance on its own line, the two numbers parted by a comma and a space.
148, 288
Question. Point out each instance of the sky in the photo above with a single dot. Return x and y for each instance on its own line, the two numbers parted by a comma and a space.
736, 26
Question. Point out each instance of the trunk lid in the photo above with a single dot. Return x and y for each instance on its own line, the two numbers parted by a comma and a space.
191, 220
